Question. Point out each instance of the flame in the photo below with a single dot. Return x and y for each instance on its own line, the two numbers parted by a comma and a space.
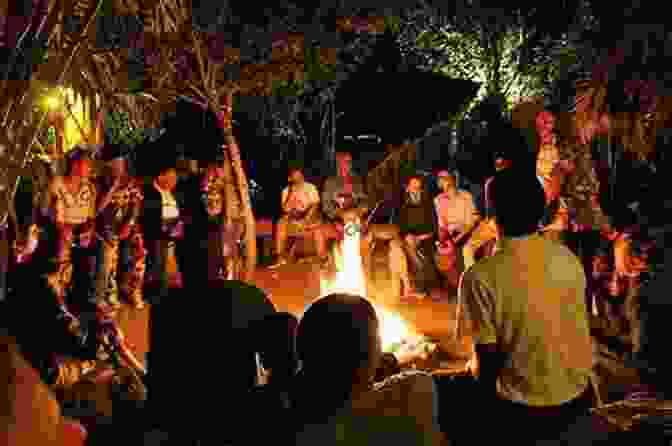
350, 279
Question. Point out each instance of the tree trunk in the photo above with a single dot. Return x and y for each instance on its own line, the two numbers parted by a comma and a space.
224, 119
248, 214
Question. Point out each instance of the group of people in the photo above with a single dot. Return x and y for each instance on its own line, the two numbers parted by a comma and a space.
524, 304
97, 236
425, 234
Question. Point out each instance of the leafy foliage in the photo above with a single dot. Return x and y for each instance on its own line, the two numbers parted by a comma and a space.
120, 131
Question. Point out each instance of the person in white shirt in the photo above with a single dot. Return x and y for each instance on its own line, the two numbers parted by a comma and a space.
300, 207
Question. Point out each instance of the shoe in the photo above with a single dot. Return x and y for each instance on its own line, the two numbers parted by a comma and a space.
278, 263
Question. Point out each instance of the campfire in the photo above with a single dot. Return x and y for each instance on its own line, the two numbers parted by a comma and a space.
397, 335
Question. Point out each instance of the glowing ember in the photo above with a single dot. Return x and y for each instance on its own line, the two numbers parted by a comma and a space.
394, 331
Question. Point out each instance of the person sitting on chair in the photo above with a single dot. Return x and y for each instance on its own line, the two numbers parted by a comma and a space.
418, 228
300, 207
456, 211
341, 196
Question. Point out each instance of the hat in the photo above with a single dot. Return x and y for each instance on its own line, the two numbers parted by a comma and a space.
444, 173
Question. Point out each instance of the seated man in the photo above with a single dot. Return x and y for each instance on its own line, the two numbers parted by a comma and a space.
344, 199
339, 194
418, 228
301, 212
456, 211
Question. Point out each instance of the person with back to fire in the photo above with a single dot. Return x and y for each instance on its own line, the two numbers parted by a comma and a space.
525, 307
301, 212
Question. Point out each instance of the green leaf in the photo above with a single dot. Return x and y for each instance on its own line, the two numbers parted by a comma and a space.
136, 86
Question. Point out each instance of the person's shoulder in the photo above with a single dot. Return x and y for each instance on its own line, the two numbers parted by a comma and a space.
466, 194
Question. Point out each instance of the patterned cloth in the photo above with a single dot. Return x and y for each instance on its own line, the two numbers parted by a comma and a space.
547, 158
125, 204
73, 208
581, 185
75, 257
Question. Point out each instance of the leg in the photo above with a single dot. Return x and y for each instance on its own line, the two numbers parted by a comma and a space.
281, 236
106, 270
135, 276
399, 265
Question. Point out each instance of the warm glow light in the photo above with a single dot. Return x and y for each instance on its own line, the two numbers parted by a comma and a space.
52, 102
350, 279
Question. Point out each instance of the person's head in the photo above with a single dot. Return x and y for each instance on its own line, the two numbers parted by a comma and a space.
344, 162
509, 190
338, 340
295, 175
167, 178
447, 181
502, 161
415, 184
217, 327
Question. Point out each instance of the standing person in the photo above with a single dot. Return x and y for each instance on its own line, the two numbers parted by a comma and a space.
163, 227
212, 206
417, 226
526, 309
120, 208
301, 211
72, 205
486, 231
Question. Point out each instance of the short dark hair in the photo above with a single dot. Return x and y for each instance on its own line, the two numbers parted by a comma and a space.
519, 202
293, 167
337, 325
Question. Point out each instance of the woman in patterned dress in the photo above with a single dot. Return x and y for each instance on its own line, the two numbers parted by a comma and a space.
119, 209
71, 202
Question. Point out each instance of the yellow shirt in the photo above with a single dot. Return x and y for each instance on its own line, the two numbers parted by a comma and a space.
529, 298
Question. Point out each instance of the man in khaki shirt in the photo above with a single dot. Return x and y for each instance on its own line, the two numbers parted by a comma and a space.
526, 309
